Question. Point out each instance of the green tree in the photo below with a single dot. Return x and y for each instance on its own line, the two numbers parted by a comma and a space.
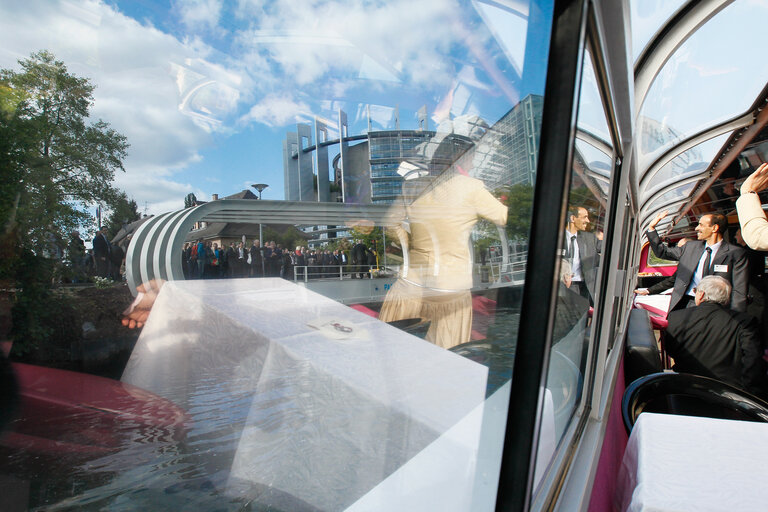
54, 160
124, 211
519, 199
373, 238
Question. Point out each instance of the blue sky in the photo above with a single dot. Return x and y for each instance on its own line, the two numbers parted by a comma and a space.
205, 90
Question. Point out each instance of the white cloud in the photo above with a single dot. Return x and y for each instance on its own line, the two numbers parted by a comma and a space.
303, 41
156, 194
276, 110
199, 14
161, 93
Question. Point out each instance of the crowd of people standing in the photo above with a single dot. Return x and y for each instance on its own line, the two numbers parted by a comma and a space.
207, 260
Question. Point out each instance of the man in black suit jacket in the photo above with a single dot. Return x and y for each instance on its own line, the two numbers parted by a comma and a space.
582, 249
713, 341
725, 260
101, 247
359, 259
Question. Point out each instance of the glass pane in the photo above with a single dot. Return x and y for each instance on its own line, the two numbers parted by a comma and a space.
676, 193
579, 269
689, 163
338, 200
647, 17
716, 74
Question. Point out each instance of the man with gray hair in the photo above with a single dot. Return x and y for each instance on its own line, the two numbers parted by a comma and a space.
714, 341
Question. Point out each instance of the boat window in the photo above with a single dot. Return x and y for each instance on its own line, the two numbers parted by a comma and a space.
689, 163
714, 76
667, 199
646, 18
326, 225
578, 281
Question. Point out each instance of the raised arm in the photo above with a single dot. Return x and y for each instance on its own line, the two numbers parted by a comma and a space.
659, 249
754, 226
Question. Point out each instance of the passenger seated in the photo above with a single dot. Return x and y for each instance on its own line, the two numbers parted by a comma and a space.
713, 341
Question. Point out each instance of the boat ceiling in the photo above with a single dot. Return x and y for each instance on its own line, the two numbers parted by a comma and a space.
700, 116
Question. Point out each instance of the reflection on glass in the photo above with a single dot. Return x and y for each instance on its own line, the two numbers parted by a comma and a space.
646, 17
715, 74
435, 287
670, 196
579, 267
317, 394
689, 163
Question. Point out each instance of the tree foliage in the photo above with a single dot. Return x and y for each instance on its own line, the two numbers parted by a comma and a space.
519, 199
124, 211
54, 161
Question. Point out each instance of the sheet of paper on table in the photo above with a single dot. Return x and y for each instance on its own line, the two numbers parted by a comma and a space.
313, 400
681, 463
658, 302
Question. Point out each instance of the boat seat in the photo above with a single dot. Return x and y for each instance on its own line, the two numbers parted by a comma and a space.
690, 395
642, 356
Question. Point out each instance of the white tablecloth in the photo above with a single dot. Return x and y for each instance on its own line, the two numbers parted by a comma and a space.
699, 464
321, 414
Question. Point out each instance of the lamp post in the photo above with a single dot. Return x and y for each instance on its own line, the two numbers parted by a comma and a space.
259, 188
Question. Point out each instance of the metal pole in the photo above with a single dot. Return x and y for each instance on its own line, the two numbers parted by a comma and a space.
384, 243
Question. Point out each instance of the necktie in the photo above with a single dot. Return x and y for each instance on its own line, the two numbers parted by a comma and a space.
706, 270
571, 248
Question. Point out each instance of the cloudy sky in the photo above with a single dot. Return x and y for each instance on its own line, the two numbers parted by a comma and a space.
205, 90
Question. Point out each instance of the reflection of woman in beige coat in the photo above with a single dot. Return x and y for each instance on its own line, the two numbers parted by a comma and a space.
439, 275
754, 226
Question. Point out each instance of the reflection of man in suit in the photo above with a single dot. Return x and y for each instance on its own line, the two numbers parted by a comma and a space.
710, 255
358, 259
571, 306
101, 248
582, 251
713, 341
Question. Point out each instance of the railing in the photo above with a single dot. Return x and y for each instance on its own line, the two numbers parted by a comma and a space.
340, 272
494, 272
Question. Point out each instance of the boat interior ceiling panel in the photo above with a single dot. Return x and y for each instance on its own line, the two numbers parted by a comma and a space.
700, 92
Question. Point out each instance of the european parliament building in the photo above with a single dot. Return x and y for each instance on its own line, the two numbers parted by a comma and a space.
377, 167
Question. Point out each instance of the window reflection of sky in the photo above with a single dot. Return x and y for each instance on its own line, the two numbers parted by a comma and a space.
597, 161
646, 17
715, 74
591, 114
691, 162
219, 84
676, 193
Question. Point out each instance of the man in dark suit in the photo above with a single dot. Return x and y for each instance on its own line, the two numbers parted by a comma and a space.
582, 250
255, 253
710, 255
358, 259
713, 341
101, 247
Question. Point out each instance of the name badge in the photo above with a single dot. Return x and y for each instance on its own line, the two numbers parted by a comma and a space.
721, 268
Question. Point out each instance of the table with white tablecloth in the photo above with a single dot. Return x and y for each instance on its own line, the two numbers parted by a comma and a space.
304, 395
677, 463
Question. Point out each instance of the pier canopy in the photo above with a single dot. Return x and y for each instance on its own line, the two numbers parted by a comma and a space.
155, 249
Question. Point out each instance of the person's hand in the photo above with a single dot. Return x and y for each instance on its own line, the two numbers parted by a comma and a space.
657, 219
137, 313
756, 181
641, 291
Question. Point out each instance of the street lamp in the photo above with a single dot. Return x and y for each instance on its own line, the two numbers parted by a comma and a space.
259, 187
